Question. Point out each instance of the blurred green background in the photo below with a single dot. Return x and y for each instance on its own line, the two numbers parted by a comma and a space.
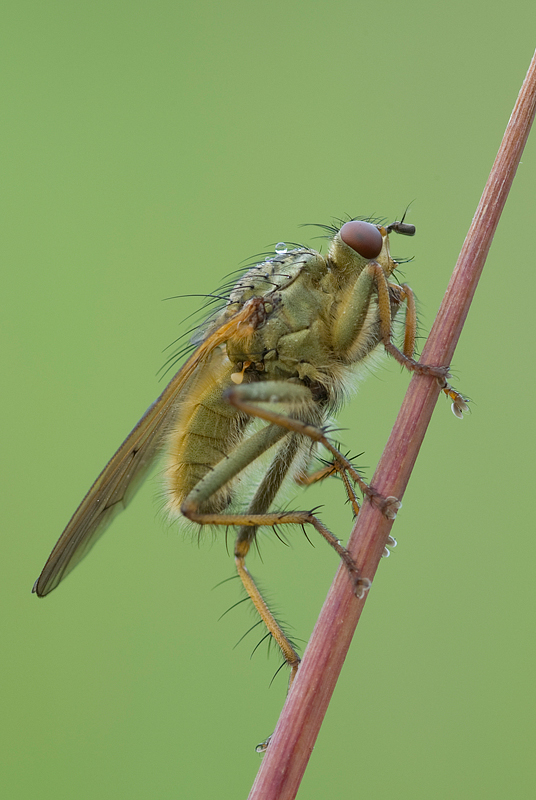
148, 149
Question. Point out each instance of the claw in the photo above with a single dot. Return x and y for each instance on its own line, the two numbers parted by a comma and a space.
459, 403
391, 542
459, 407
391, 506
362, 587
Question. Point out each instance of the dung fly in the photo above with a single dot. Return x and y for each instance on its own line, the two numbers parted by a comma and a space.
269, 369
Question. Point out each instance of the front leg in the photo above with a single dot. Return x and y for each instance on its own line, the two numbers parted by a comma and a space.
405, 356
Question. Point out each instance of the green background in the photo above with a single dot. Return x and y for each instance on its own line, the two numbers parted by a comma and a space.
148, 149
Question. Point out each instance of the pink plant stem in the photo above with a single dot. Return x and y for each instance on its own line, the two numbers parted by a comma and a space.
288, 753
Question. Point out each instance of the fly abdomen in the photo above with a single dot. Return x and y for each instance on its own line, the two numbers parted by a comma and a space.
205, 430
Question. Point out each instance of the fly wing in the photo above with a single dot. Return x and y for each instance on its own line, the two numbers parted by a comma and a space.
109, 492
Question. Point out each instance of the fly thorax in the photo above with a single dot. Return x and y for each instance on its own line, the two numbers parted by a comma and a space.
275, 274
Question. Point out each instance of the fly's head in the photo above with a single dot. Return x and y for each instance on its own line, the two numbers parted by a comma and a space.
358, 242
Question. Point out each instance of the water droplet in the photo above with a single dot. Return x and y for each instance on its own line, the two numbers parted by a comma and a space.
281, 248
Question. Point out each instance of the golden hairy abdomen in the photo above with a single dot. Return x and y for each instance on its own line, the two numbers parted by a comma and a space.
204, 432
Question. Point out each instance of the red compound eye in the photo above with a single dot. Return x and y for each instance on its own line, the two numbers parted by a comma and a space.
363, 237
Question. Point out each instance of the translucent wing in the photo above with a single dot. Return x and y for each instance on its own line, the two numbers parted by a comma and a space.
130, 462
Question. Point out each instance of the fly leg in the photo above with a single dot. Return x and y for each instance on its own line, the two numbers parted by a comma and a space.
246, 398
405, 356
192, 508
331, 469
242, 546
258, 514
303, 479
290, 444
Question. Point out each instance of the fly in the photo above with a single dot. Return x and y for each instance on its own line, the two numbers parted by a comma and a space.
269, 369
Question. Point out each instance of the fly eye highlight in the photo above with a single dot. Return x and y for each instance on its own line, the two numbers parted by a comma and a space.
363, 237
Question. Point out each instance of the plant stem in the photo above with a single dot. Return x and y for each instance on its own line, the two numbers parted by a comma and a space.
288, 753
